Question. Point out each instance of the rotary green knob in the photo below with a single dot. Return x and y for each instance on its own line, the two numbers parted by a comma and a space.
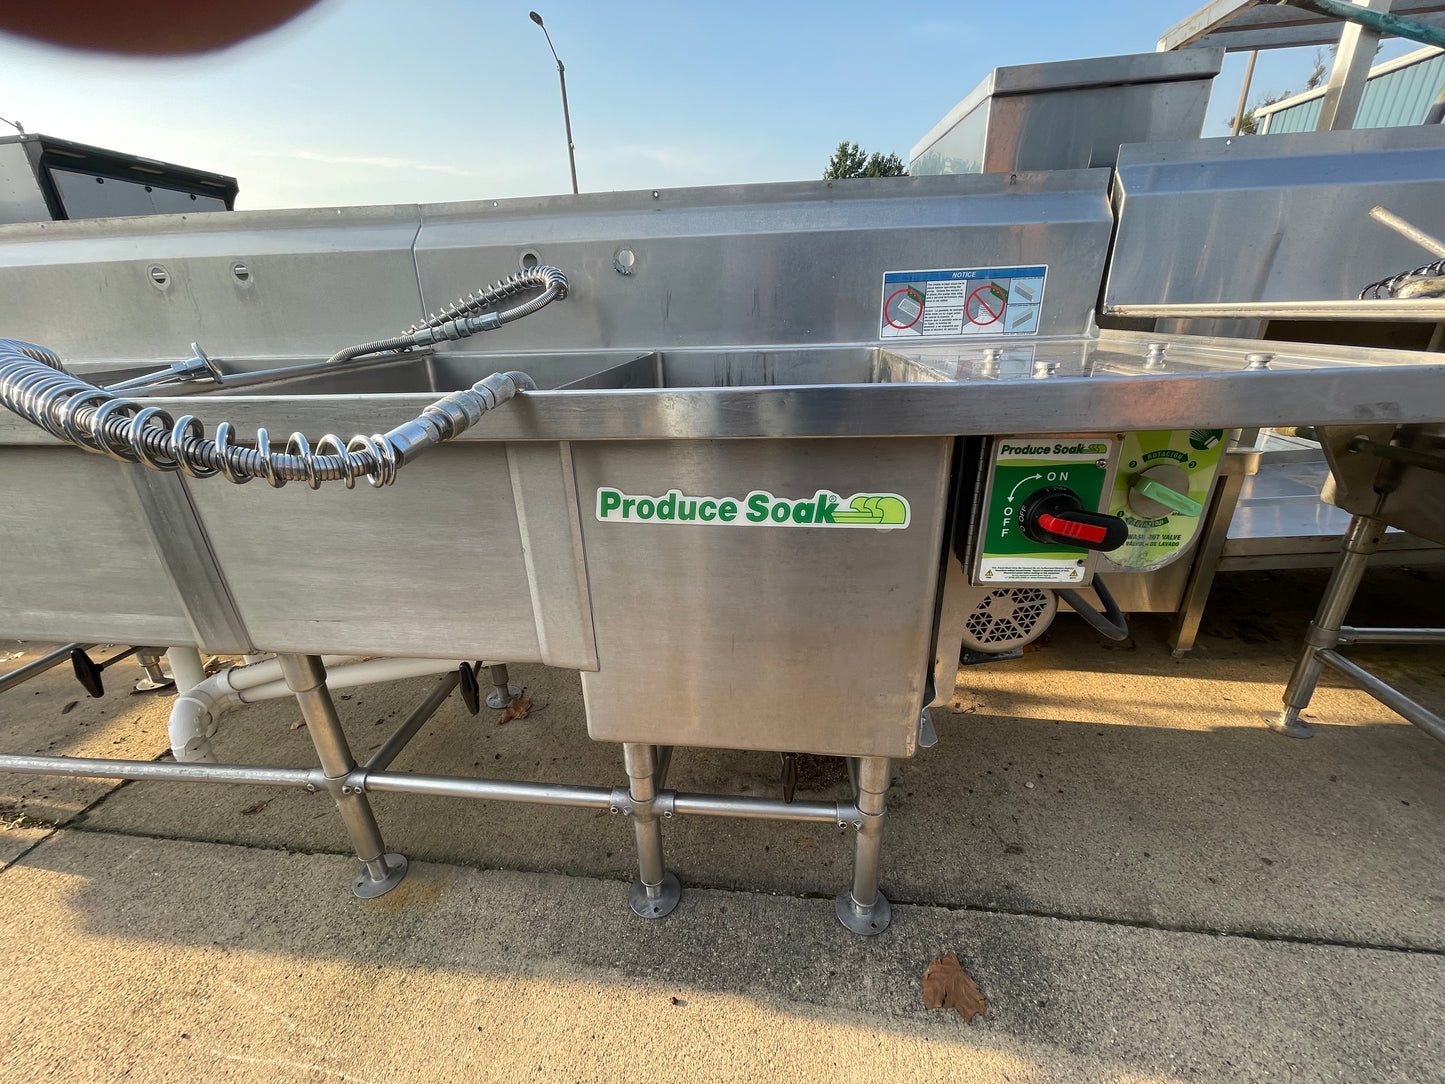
1161, 490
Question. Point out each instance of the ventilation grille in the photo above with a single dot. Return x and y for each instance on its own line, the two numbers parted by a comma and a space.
1008, 617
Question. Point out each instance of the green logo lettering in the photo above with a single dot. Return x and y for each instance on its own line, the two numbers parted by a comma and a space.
878, 511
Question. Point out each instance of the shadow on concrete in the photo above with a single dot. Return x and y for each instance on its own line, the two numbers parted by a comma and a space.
1082, 783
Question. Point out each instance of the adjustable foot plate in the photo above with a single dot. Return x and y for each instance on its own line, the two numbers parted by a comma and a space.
495, 699
645, 906
367, 889
1281, 722
868, 923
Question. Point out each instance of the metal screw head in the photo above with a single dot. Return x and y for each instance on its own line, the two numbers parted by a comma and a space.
624, 260
159, 276
241, 272
1257, 361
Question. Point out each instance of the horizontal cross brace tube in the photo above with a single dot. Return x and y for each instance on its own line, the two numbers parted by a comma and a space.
723, 805
1349, 635
175, 773
497, 790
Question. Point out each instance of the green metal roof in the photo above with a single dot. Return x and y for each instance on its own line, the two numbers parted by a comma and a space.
1393, 98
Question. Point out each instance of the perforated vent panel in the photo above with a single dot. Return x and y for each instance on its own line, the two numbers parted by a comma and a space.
1009, 617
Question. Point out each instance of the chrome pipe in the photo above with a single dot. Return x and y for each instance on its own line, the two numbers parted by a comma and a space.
1388, 695
306, 677
662, 766
496, 790
727, 805
99, 768
1353, 309
414, 722
646, 828
872, 786
1351, 635
1362, 538
1429, 243
38, 666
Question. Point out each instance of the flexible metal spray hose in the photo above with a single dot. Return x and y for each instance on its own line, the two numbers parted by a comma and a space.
446, 323
34, 386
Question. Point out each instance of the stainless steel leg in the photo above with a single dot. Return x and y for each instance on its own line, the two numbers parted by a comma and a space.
503, 692
862, 908
306, 678
662, 766
1362, 538
655, 892
150, 661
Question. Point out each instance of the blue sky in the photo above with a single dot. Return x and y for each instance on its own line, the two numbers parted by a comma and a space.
366, 101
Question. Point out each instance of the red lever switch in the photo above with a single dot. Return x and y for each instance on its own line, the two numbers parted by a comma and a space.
1055, 516
1087, 533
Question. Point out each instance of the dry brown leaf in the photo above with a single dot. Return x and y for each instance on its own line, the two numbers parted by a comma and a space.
251, 810
69, 707
517, 709
946, 985
298, 724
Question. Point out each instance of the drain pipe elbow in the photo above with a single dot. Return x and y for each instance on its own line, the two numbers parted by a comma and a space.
195, 716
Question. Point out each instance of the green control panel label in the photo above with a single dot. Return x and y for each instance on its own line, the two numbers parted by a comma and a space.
757, 508
1023, 466
1161, 491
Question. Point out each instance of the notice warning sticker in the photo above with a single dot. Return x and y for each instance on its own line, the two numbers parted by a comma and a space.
962, 301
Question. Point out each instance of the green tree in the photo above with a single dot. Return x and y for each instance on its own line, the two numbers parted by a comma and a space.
851, 160
1249, 125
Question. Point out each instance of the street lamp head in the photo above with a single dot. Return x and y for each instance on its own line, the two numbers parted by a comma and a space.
562, 78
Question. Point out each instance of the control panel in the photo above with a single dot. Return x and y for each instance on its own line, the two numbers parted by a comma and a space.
1045, 510
1161, 492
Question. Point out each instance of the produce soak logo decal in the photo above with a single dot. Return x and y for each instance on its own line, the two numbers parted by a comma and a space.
875, 511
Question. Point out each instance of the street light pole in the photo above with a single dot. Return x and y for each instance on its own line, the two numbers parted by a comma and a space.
566, 117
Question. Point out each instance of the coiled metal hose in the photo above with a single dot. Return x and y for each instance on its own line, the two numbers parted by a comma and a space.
441, 325
35, 386
1391, 287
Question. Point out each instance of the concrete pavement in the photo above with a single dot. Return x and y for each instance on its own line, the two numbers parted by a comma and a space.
1146, 883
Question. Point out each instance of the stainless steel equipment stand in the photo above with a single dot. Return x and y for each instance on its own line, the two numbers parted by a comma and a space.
503, 691
1327, 632
655, 892
862, 908
306, 677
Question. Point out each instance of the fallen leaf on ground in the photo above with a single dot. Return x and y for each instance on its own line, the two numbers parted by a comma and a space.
252, 809
298, 724
517, 709
69, 707
946, 985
